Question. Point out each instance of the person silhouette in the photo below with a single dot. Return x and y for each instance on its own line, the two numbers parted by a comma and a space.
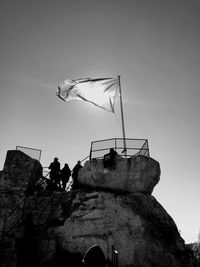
109, 160
55, 172
65, 173
75, 172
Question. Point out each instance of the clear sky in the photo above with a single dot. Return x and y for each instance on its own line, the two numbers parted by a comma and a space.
152, 44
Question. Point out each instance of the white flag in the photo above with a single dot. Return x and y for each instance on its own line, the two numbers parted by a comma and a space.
100, 92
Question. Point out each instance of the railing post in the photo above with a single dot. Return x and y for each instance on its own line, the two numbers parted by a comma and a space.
91, 152
148, 153
114, 257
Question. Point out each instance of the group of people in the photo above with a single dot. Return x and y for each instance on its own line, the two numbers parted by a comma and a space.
61, 176
58, 176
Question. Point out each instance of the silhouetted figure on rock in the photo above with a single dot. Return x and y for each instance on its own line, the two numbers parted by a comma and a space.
109, 160
65, 173
55, 172
75, 172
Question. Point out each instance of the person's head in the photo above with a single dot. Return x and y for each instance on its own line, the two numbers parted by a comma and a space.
79, 162
55, 159
66, 165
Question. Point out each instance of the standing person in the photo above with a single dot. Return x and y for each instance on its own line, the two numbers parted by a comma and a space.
113, 157
65, 173
55, 172
109, 160
75, 171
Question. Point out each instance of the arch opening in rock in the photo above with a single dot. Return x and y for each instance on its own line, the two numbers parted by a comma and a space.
94, 256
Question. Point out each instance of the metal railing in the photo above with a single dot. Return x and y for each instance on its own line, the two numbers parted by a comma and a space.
31, 152
134, 147
114, 257
46, 172
19, 208
4, 232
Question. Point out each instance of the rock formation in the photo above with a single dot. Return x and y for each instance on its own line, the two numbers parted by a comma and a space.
19, 176
115, 208
136, 174
110, 209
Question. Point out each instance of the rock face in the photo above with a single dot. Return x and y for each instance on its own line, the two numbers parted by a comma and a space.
19, 197
135, 224
20, 171
19, 175
136, 174
110, 209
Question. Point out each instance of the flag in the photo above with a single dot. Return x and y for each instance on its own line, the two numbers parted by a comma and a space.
100, 92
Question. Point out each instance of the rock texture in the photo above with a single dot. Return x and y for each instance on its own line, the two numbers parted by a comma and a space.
19, 175
135, 224
20, 195
110, 208
20, 171
136, 174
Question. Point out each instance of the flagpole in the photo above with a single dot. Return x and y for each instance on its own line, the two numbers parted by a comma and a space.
122, 116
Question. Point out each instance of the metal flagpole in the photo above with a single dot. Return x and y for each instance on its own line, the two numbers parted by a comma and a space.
122, 117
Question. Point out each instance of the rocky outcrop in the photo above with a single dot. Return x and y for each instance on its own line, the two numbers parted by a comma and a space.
21, 196
20, 174
109, 208
20, 171
135, 174
135, 224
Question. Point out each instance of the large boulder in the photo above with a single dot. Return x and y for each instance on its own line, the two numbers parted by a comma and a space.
137, 226
110, 208
20, 171
18, 178
135, 174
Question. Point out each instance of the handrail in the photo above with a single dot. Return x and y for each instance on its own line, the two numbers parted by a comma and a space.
87, 157
26, 149
119, 138
114, 257
5, 220
44, 208
140, 146
23, 201
101, 157
133, 148
52, 232
17, 206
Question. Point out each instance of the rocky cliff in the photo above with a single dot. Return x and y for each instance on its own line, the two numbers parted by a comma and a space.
132, 175
110, 208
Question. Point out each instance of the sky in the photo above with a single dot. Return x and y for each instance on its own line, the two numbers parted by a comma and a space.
152, 44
